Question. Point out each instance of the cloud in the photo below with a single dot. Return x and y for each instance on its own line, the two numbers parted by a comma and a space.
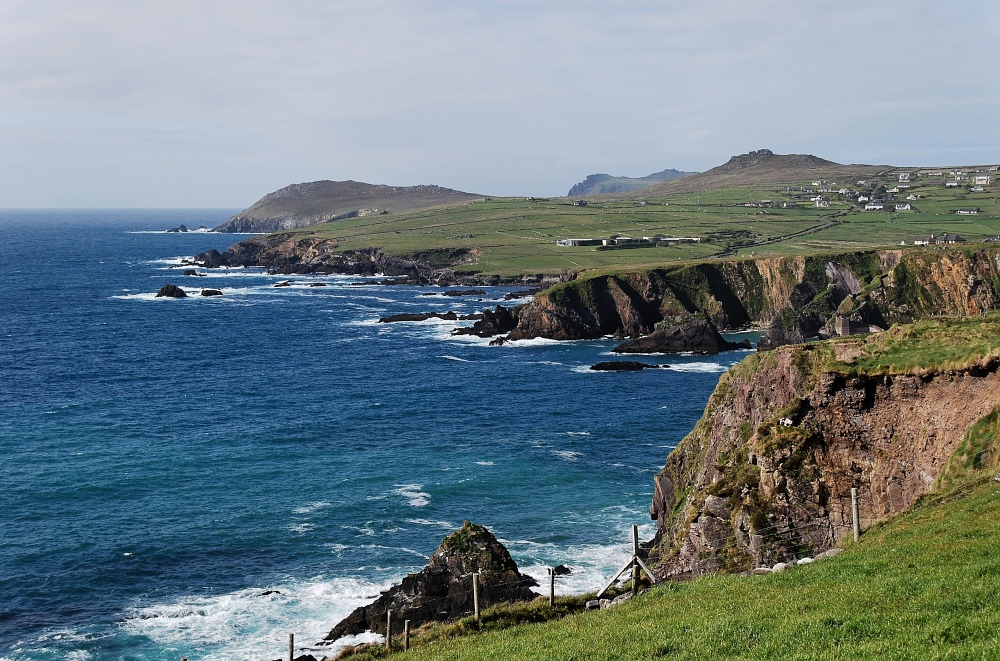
218, 103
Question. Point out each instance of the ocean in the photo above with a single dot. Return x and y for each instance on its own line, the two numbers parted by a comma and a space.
201, 477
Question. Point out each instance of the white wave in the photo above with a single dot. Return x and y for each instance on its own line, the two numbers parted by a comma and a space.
699, 367
437, 524
568, 455
249, 624
456, 358
485, 463
301, 527
578, 433
538, 342
549, 362
413, 494
309, 508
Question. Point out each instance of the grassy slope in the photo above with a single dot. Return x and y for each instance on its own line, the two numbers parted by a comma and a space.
511, 236
923, 586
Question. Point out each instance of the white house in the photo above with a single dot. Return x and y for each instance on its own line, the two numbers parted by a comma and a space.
911, 197
902, 207
874, 205
822, 203
904, 177
982, 180
967, 212
862, 198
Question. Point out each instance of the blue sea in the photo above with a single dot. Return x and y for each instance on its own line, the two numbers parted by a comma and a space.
201, 477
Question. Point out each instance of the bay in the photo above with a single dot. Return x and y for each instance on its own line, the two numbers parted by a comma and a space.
168, 462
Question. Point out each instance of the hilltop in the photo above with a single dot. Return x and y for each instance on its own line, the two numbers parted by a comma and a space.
765, 167
603, 184
315, 202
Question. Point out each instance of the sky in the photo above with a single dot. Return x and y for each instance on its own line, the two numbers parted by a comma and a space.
214, 103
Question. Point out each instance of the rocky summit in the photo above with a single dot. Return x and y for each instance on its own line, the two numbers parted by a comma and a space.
443, 589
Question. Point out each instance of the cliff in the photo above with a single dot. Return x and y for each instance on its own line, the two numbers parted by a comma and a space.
314, 202
766, 474
796, 296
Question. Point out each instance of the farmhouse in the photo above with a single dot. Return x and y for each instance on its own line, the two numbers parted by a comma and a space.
862, 198
789, 205
579, 203
902, 207
822, 202
982, 180
941, 239
904, 177
573, 243
967, 212
951, 184
874, 205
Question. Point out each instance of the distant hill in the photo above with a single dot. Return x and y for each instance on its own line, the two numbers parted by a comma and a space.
314, 202
600, 184
763, 167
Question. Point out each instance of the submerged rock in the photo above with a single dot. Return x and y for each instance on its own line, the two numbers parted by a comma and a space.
443, 589
171, 291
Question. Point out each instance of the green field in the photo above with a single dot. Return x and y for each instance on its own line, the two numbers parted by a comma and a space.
513, 235
925, 585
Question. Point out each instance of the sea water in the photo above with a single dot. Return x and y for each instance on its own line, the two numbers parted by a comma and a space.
201, 477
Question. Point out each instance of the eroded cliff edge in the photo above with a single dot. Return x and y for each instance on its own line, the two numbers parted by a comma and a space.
766, 474
792, 297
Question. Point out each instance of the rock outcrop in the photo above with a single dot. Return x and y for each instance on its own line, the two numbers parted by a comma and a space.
691, 333
171, 291
443, 589
623, 366
493, 322
766, 474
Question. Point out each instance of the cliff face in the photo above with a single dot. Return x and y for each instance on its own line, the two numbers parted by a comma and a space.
766, 475
795, 295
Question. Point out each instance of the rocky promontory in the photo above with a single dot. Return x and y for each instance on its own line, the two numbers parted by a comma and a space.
766, 474
443, 589
681, 334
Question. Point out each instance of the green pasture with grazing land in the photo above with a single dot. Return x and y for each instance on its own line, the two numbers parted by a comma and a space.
925, 585
513, 235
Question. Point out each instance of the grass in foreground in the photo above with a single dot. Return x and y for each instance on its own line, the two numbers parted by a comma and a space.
924, 586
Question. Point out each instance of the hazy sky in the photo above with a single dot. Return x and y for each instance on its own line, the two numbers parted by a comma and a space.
213, 103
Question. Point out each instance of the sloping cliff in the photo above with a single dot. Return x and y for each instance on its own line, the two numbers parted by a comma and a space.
766, 474
795, 296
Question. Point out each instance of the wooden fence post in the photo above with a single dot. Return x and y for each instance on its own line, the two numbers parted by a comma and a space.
475, 594
406, 634
291, 647
855, 515
388, 629
635, 554
552, 587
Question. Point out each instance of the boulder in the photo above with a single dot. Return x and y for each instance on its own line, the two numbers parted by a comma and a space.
211, 292
171, 291
443, 589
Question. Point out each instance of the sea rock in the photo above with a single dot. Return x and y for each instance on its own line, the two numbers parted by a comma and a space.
171, 291
623, 366
523, 293
193, 272
496, 322
443, 589
211, 292
693, 333
777, 336
464, 292
418, 316
211, 259
283, 283
317, 284
179, 228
